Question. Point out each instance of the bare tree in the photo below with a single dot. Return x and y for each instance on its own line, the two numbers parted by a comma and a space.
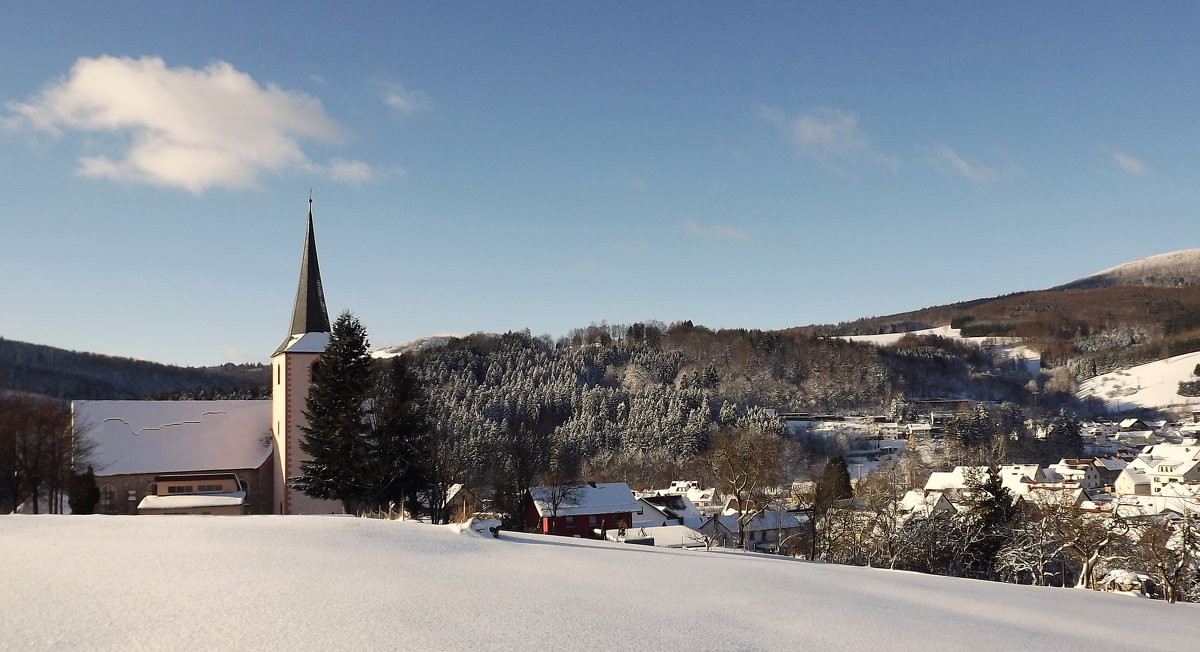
747, 465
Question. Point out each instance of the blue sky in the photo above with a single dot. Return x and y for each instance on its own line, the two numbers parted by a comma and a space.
499, 166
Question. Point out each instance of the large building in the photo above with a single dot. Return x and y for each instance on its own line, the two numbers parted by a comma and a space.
140, 445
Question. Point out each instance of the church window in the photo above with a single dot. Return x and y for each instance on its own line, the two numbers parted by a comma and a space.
278, 374
107, 495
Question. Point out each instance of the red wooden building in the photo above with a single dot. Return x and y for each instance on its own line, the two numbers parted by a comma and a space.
580, 510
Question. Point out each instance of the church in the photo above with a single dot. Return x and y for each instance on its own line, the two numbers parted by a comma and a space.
216, 457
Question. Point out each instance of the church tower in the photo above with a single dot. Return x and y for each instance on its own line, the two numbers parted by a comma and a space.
291, 375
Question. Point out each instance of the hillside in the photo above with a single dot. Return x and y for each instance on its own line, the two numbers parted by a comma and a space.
58, 373
210, 583
1169, 270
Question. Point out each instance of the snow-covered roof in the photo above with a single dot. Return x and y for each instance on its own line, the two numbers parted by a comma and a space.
604, 498
1015, 477
1111, 463
175, 436
193, 501
768, 520
665, 536
306, 343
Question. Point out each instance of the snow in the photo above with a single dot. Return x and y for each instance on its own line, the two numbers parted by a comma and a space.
169, 436
1154, 385
889, 339
1010, 347
193, 501
307, 343
338, 583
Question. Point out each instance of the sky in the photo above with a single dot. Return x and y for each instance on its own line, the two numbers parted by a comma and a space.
502, 166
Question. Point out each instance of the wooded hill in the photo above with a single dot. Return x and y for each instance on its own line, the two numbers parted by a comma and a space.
58, 373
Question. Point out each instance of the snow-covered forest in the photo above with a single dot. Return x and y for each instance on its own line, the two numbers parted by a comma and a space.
639, 402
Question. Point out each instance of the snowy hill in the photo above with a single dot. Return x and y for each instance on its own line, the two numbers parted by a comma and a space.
417, 345
333, 583
1150, 386
1170, 270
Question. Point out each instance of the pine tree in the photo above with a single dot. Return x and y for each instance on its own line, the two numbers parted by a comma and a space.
396, 443
83, 494
334, 437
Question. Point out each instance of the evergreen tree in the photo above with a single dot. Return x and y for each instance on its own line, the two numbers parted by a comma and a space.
1067, 434
335, 438
984, 524
83, 494
396, 442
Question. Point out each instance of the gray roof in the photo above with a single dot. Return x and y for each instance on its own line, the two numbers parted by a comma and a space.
309, 314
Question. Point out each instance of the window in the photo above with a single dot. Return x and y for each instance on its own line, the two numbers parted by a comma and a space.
570, 521
179, 489
107, 495
209, 488
592, 520
278, 374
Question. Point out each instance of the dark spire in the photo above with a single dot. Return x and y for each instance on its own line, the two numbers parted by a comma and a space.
309, 314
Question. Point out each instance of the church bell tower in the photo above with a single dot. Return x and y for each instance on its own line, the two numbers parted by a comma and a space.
291, 375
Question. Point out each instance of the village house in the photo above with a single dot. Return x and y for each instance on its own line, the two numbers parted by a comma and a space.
764, 530
580, 510
667, 509
1082, 472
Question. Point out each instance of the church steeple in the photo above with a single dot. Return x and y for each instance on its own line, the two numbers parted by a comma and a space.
309, 314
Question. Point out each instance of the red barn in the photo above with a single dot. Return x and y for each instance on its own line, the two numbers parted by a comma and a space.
580, 510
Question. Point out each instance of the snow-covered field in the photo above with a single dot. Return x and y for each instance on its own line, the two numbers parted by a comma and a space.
338, 583
1010, 347
1153, 386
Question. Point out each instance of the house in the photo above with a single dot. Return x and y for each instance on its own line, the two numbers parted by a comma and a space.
258, 441
580, 510
669, 509
660, 536
1128, 425
925, 504
1110, 467
764, 531
1158, 467
457, 506
216, 494
1015, 477
1082, 472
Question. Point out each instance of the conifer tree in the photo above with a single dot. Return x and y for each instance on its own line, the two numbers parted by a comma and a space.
334, 437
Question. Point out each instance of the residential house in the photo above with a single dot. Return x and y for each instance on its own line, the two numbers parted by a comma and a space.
764, 530
580, 510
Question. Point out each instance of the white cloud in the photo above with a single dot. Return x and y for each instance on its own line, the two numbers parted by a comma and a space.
404, 100
715, 232
832, 136
186, 128
1130, 164
948, 158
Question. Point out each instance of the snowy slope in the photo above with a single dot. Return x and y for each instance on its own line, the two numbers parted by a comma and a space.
1174, 269
336, 583
1153, 386
1009, 346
